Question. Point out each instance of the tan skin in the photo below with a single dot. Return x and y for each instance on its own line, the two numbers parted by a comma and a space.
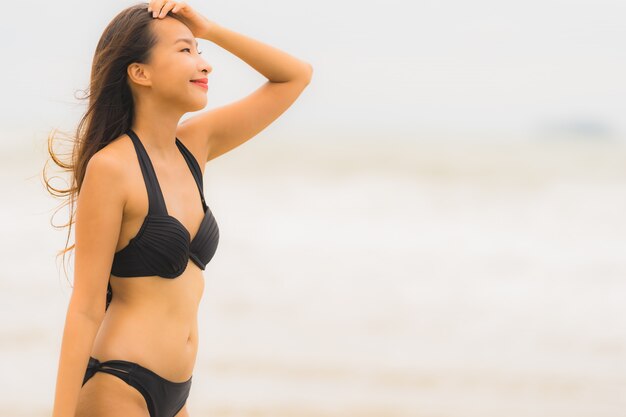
152, 320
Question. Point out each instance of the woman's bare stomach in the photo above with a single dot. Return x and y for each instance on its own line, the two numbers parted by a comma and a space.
153, 321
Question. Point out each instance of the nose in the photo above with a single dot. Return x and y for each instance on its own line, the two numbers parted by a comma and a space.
205, 67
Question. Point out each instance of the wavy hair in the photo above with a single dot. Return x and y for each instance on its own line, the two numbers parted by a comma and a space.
128, 38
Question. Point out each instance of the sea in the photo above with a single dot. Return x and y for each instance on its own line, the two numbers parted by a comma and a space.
374, 276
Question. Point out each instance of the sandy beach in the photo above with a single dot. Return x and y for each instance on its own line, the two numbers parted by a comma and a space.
420, 278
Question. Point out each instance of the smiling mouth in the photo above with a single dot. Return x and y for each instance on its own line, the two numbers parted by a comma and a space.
203, 81
200, 84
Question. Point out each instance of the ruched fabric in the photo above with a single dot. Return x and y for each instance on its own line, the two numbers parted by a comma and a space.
163, 245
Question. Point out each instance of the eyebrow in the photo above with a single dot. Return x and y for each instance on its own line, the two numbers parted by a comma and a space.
189, 41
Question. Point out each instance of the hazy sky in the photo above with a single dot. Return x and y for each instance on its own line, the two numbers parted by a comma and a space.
393, 66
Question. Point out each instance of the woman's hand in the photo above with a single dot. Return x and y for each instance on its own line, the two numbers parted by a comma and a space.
198, 24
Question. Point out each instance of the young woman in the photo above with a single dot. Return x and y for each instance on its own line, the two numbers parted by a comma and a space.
144, 232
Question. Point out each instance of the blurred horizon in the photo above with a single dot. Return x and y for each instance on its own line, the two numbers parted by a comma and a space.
451, 68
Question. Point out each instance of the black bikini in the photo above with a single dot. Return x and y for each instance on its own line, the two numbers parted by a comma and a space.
162, 247
164, 398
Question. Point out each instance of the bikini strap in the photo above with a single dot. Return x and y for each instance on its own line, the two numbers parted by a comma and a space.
192, 162
155, 195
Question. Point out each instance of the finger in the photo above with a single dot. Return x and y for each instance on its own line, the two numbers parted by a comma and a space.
156, 9
180, 6
166, 7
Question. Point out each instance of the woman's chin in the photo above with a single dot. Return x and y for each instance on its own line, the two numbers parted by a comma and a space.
197, 104
200, 106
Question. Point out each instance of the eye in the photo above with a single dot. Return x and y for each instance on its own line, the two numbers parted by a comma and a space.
187, 49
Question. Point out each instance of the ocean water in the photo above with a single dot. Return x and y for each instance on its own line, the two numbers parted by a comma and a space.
370, 278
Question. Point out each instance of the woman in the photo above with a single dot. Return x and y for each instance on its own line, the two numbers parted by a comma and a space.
129, 345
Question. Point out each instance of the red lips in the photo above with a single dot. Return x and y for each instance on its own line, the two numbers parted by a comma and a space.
204, 81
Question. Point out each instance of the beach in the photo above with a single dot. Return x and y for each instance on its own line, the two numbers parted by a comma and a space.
385, 277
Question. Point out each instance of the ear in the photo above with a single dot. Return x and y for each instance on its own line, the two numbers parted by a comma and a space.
139, 74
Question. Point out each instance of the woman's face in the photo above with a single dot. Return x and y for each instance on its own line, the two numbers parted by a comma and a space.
174, 62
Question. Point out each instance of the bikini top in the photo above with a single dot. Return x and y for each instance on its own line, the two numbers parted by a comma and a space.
163, 245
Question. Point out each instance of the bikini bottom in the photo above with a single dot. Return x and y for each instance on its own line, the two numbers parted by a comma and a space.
164, 398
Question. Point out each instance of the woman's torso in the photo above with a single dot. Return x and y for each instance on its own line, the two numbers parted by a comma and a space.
152, 320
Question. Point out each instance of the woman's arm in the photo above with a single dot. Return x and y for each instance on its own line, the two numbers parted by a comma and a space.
99, 210
80, 331
276, 65
219, 130
226, 127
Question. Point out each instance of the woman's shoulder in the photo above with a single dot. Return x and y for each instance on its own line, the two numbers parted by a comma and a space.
117, 152
113, 158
